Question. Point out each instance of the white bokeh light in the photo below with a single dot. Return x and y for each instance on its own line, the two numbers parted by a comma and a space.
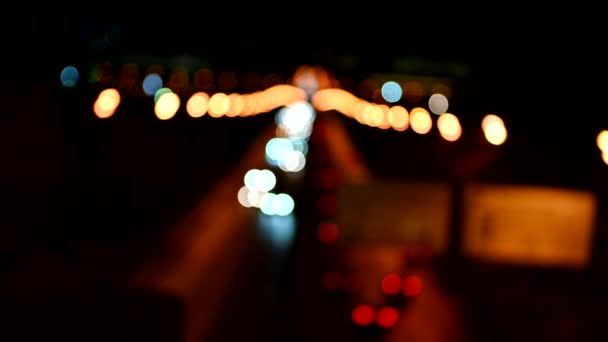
438, 104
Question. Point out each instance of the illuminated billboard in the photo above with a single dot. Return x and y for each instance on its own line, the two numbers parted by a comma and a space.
528, 225
396, 212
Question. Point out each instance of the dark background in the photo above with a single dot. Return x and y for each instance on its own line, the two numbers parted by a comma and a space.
543, 73
69, 182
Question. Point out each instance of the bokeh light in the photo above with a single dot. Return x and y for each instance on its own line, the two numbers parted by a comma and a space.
69, 76
391, 91
152, 83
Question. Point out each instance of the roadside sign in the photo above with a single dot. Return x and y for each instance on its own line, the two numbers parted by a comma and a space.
396, 212
528, 225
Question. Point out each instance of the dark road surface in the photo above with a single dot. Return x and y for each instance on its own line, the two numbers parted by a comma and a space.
460, 300
219, 275
277, 296
87, 203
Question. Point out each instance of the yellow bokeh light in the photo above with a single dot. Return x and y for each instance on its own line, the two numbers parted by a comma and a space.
449, 127
108, 99
420, 120
602, 141
166, 106
376, 115
368, 115
495, 132
237, 105
100, 112
490, 118
384, 119
197, 105
360, 108
219, 103
335, 99
398, 118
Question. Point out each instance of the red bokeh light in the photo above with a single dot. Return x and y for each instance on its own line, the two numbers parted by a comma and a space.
328, 233
391, 284
363, 314
387, 317
332, 281
412, 286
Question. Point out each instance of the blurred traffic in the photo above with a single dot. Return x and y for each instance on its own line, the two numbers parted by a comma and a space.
193, 201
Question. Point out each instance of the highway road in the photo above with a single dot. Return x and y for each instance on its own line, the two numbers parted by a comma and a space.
141, 218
